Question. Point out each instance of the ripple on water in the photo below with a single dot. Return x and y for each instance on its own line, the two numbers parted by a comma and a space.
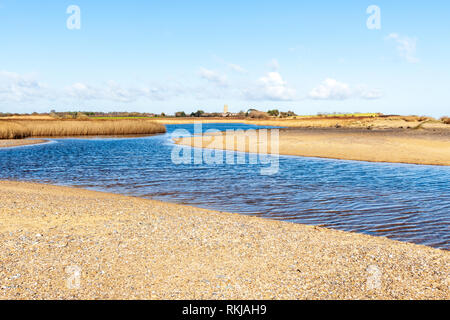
403, 202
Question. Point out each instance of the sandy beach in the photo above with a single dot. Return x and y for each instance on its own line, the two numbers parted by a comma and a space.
421, 146
132, 248
391, 122
19, 142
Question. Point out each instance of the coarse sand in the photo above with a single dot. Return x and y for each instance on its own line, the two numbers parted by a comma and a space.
67, 243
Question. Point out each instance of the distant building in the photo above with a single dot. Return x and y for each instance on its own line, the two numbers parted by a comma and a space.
226, 111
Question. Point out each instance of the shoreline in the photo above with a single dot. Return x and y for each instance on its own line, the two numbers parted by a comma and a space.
134, 248
10, 143
421, 147
22, 129
301, 122
14, 143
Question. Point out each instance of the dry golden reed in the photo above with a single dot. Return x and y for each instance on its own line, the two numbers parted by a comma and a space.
11, 130
64, 128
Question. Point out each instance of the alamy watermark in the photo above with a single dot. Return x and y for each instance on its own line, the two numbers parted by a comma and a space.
232, 147
73, 281
374, 20
373, 278
74, 20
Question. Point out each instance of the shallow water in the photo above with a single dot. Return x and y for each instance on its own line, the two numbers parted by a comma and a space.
403, 202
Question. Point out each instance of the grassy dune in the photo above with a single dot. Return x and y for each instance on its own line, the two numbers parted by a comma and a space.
366, 121
19, 129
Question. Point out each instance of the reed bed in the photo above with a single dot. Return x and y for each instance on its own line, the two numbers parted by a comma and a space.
65, 128
12, 130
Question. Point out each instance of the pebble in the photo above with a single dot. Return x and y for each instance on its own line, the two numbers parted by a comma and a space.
158, 250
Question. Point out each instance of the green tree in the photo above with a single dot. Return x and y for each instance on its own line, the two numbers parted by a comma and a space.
198, 114
273, 113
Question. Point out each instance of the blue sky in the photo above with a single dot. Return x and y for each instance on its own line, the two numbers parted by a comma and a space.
167, 56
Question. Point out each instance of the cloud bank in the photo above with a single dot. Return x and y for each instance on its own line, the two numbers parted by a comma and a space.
269, 87
20, 88
331, 89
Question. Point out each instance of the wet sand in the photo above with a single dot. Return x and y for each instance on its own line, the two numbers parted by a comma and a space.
18, 143
132, 248
422, 146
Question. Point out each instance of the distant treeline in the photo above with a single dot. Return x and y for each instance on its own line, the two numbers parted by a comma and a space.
91, 114
251, 113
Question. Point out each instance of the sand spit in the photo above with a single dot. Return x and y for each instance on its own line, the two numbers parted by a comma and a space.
429, 147
18, 143
393, 122
66, 243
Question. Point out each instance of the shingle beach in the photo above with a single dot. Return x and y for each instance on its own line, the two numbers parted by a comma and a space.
67, 243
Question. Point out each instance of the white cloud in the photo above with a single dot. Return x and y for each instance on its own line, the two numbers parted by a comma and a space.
406, 47
112, 91
214, 77
331, 89
271, 87
17, 87
115, 92
369, 94
233, 66
160, 93
237, 68
83, 91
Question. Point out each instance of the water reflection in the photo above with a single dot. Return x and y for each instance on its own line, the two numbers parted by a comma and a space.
403, 202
